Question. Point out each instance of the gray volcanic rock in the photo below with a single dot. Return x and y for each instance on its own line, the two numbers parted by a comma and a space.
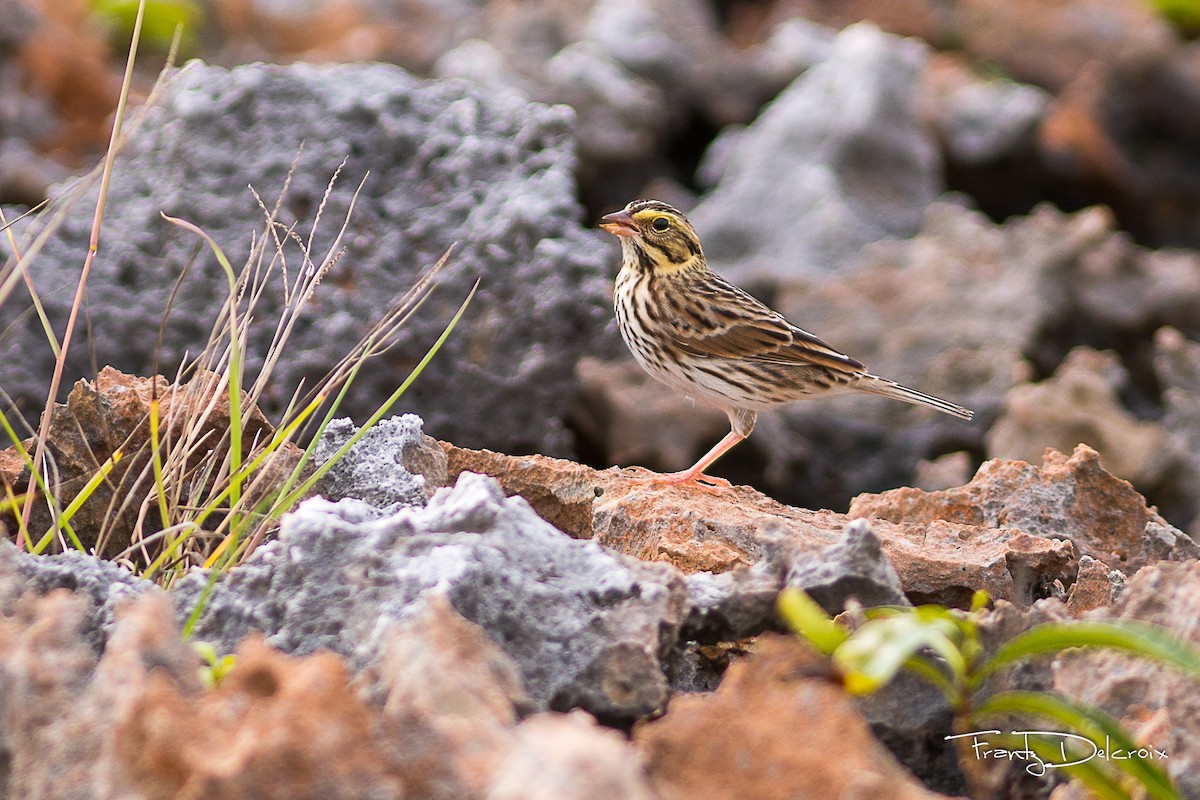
980, 119
912, 718
1177, 365
441, 165
394, 464
731, 605
102, 585
585, 626
838, 160
853, 567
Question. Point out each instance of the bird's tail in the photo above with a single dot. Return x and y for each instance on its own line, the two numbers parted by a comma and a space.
885, 388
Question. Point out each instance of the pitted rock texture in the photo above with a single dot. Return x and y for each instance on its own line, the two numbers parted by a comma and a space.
435, 719
1069, 497
561, 756
1080, 403
446, 165
104, 585
748, 738
586, 627
1096, 586
1158, 704
741, 529
66, 706
393, 464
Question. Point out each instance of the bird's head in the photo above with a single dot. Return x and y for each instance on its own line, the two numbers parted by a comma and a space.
657, 235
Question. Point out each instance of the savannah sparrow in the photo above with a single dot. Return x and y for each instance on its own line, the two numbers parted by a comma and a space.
708, 339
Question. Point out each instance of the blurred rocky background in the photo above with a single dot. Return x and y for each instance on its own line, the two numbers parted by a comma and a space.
994, 201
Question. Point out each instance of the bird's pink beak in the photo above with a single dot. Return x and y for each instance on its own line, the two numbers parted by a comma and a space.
621, 223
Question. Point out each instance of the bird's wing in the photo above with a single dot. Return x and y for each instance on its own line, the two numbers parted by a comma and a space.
726, 322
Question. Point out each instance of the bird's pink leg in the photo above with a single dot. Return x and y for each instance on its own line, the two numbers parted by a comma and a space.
695, 473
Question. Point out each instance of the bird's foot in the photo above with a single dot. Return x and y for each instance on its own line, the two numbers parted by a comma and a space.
697, 479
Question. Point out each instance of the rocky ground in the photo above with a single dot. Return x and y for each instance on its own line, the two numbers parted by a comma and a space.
1000, 210
538, 628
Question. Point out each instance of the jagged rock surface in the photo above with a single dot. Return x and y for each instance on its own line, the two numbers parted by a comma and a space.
730, 533
394, 464
446, 165
1068, 497
741, 740
587, 627
1159, 705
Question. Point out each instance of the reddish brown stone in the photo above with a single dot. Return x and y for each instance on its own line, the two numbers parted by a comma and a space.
112, 413
1067, 497
560, 491
775, 728
701, 531
425, 722
292, 725
135, 722
1096, 586
561, 756
440, 672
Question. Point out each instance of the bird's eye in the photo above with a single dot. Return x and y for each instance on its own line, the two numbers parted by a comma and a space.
661, 224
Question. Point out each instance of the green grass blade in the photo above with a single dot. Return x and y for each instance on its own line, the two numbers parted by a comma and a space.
1131, 636
63, 524
236, 360
169, 551
201, 603
281, 437
13, 503
110, 157
36, 474
1096, 726
922, 667
160, 489
294, 497
38, 308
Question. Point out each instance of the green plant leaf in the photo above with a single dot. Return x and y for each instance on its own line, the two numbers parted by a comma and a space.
162, 17
923, 667
236, 360
215, 667
1105, 732
1131, 636
979, 600
806, 617
293, 497
1183, 14
874, 653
